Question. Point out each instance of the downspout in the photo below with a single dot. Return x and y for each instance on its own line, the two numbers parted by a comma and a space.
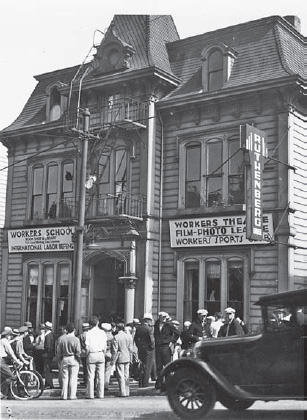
160, 209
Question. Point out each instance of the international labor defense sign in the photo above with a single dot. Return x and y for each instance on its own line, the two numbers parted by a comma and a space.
254, 141
216, 231
41, 239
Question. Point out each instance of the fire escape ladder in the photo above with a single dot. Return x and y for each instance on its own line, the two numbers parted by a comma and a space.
106, 150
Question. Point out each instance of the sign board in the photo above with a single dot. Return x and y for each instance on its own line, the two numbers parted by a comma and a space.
215, 231
254, 142
41, 239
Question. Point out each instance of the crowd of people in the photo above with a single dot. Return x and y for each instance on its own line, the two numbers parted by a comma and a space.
140, 349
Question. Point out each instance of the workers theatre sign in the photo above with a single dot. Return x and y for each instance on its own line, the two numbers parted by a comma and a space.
216, 231
41, 240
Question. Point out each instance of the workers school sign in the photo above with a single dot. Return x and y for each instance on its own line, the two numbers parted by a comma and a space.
215, 231
41, 240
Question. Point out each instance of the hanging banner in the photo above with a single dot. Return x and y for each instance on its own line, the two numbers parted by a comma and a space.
41, 239
216, 231
254, 142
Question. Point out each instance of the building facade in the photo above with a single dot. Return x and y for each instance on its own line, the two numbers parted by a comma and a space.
131, 187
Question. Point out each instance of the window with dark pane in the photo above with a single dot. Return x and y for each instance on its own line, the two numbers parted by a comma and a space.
37, 195
213, 286
32, 301
214, 173
236, 194
48, 285
52, 190
215, 70
235, 272
191, 290
193, 176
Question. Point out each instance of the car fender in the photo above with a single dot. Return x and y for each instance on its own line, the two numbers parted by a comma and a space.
222, 383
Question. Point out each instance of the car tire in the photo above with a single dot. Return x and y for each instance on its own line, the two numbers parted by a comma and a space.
236, 405
190, 394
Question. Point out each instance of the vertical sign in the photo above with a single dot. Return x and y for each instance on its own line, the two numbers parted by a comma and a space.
254, 142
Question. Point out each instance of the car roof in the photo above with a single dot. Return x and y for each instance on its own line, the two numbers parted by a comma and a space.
293, 296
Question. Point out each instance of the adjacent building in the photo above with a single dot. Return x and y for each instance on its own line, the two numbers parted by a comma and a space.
164, 174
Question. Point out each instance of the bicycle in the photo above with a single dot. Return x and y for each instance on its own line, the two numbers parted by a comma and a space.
27, 385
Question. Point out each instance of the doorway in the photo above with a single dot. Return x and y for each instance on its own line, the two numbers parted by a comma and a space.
108, 292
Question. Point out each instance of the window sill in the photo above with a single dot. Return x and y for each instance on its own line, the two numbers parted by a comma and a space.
226, 209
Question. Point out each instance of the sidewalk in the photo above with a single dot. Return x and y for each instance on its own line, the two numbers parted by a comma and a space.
113, 390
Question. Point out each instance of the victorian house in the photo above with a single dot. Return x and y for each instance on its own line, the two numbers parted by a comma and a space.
131, 182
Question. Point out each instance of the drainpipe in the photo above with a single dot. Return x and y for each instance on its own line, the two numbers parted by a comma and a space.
160, 209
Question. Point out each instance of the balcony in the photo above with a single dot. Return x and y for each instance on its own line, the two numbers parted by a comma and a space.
107, 205
126, 112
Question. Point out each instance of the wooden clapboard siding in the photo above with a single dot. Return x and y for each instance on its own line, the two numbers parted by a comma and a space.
300, 197
14, 291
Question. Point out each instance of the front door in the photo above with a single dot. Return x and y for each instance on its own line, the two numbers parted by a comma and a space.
108, 292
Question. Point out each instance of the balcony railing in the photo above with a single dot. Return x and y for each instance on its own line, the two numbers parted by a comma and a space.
124, 111
123, 204
104, 205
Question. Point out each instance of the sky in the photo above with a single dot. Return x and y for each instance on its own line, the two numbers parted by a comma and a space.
38, 36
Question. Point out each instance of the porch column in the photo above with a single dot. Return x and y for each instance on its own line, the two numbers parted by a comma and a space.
130, 281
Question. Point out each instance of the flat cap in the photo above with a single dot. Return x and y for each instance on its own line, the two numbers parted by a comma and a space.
230, 311
202, 312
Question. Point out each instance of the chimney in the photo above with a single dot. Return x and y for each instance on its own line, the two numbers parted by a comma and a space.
295, 21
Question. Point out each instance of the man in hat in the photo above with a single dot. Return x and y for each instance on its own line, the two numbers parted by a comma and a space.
121, 356
39, 350
6, 354
20, 353
145, 342
200, 327
231, 326
82, 337
165, 334
49, 352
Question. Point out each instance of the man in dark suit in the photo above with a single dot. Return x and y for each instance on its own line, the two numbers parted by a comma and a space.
165, 334
232, 325
200, 327
145, 342
49, 352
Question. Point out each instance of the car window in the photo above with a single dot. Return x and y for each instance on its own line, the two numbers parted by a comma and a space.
281, 318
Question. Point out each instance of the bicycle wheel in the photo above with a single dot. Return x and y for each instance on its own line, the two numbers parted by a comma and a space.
41, 383
26, 386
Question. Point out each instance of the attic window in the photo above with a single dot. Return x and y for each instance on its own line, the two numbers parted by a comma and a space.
55, 105
217, 61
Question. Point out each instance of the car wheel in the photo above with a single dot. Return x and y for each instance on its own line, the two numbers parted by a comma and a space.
190, 394
236, 405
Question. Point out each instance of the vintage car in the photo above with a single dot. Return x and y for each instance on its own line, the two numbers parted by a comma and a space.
238, 370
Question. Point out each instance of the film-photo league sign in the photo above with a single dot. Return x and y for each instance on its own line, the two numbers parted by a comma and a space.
216, 231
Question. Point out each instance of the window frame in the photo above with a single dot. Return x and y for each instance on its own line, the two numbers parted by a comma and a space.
225, 174
41, 264
45, 164
203, 260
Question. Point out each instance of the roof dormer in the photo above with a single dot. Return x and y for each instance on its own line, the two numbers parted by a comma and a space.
113, 54
218, 61
56, 102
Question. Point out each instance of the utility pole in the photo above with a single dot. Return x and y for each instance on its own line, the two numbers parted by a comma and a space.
84, 135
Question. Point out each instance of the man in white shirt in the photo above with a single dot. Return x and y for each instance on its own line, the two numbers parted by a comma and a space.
96, 344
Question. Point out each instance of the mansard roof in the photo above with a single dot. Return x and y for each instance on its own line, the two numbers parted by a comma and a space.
146, 34
266, 50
